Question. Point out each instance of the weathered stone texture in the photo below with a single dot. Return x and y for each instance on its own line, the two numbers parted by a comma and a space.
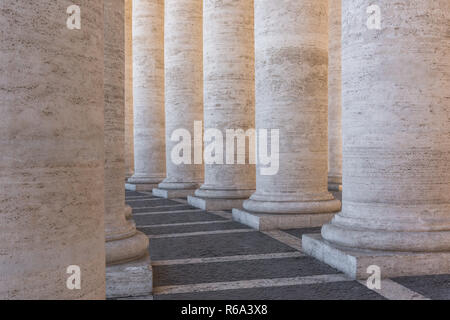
52, 155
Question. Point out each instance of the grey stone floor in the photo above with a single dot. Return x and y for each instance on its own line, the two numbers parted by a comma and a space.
205, 255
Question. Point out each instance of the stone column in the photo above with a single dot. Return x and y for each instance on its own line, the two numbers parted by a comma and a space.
291, 96
148, 95
129, 130
51, 142
128, 264
184, 93
396, 106
229, 99
334, 96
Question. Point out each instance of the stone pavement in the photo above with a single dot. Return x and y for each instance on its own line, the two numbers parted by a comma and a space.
205, 255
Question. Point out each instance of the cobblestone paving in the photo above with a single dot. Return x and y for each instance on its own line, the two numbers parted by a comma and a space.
205, 255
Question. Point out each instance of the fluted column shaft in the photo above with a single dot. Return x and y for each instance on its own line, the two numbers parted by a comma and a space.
148, 93
396, 128
334, 95
51, 142
291, 96
228, 90
183, 86
129, 121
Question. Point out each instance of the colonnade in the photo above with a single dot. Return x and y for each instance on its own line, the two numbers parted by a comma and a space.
267, 64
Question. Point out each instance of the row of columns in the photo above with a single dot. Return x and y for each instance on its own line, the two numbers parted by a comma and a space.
395, 135
62, 202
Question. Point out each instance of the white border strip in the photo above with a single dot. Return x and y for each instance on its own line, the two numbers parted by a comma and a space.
394, 291
229, 259
183, 224
249, 284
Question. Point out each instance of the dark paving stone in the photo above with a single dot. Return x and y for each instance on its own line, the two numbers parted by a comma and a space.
239, 270
164, 209
177, 217
215, 245
135, 194
435, 287
300, 232
151, 203
348, 290
193, 228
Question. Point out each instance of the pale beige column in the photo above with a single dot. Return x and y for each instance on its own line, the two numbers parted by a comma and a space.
334, 96
184, 95
148, 95
51, 142
228, 43
396, 106
291, 40
126, 248
129, 130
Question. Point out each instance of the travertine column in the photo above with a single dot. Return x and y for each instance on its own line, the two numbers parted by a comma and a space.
396, 108
148, 94
129, 130
123, 242
334, 96
228, 97
51, 142
291, 95
184, 92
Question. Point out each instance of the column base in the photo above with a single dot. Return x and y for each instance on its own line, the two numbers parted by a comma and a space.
140, 186
128, 212
334, 186
266, 222
132, 279
208, 204
173, 194
354, 262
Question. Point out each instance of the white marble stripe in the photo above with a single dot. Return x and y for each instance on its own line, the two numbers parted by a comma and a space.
143, 199
228, 259
166, 206
135, 197
285, 238
201, 233
162, 212
183, 224
394, 291
249, 284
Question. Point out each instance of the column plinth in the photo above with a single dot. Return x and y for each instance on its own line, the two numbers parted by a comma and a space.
229, 101
124, 244
396, 200
291, 96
